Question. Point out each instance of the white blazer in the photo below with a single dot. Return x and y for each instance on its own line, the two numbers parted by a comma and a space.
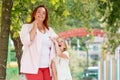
30, 57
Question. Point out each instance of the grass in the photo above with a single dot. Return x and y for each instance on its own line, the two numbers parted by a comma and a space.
12, 71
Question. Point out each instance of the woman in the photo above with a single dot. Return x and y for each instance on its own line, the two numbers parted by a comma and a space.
60, 64
38, 48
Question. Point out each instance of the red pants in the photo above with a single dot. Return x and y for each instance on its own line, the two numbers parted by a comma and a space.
43, 74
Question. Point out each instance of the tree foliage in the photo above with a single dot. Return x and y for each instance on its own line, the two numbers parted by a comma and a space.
83, 13
110, 13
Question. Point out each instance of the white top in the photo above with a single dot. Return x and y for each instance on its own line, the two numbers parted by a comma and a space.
62, 67
45, 51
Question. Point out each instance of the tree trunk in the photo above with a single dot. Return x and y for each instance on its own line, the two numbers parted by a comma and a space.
18, 49
4, 35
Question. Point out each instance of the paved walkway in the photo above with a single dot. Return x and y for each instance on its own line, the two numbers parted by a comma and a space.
22, 77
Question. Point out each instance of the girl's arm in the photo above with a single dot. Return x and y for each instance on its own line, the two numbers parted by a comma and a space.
57, 49
54, 71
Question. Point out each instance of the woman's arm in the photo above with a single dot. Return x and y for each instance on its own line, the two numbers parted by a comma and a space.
24, 35
54, 71
33, 31
27, 35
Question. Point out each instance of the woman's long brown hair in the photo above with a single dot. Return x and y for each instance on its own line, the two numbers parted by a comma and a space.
45, 22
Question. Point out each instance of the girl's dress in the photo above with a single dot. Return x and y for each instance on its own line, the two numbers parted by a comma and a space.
62, 67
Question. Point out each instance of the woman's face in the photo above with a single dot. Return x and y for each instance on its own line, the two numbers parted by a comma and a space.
40, 14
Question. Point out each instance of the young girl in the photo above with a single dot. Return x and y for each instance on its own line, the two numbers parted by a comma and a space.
60, 64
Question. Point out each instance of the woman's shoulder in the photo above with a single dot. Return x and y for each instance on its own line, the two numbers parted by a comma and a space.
52, 32
27, 24
26, 27
50, 28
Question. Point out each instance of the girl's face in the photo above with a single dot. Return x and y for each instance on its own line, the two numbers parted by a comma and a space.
61, 43
40, 14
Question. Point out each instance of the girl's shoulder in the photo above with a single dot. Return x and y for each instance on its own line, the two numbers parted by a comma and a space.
66, 53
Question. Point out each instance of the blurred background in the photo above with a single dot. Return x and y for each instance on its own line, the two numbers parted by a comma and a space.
90, 27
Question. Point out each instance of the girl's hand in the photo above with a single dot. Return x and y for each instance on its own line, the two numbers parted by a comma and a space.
53, 40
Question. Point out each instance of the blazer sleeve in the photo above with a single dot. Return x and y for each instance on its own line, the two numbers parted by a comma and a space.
24, 35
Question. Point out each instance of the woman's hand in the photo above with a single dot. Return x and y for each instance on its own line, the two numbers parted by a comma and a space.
35, 24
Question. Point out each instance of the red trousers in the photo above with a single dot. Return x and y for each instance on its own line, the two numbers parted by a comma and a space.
43, 74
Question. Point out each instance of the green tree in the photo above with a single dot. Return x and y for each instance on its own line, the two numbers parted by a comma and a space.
4, 35
83, 13
110, 13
